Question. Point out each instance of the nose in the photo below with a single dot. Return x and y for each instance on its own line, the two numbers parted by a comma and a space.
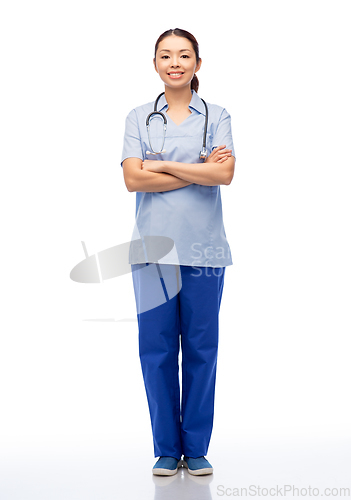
175, 63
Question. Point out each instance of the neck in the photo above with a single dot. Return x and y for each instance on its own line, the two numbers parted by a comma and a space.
178, 98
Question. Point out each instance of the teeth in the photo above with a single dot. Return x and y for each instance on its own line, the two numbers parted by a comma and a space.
176, 74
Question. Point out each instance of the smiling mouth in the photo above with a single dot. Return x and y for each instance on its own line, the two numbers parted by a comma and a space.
176, 73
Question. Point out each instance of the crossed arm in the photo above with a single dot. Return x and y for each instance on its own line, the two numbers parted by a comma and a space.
157, 176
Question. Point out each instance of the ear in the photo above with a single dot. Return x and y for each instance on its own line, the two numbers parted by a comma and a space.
155, 65
198, 66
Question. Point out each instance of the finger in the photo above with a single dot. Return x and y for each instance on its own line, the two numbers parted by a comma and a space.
218, 147
225, 151
218, 154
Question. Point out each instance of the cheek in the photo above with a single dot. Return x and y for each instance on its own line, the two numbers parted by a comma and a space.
161, 65
162, 71
190, 66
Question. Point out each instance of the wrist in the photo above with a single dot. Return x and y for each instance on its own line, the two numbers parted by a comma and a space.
166, 166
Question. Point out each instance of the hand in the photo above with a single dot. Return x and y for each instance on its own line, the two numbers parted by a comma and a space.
152, 165
219, 155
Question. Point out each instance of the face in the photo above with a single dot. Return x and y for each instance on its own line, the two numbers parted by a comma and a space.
176, 61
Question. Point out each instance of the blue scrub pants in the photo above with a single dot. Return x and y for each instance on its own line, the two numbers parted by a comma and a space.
189, 320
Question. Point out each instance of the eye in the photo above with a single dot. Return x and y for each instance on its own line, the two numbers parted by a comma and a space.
184, 55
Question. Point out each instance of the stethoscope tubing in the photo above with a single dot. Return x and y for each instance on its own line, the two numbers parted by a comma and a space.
203, 153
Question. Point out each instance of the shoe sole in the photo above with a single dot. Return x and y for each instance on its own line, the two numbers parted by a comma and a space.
198, 472
167, 472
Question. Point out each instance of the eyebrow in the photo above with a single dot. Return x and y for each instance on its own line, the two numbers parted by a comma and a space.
182, 50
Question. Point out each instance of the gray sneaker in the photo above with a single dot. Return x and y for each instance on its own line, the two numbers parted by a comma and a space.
166, 466
197, 466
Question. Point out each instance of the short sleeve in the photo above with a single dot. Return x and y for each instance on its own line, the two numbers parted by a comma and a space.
223, 134
132, 143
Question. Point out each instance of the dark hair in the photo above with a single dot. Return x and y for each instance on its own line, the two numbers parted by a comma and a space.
192, 39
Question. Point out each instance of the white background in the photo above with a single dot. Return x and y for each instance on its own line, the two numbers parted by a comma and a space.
71, 72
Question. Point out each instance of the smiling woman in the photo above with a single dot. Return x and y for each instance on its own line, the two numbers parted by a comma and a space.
178, 48
178, 196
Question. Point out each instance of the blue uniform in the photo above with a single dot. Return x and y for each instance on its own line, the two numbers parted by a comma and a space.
192, 217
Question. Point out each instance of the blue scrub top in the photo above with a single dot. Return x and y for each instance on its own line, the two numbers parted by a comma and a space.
191, 215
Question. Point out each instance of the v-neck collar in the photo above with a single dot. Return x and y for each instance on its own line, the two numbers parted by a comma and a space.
195, 103
181, 123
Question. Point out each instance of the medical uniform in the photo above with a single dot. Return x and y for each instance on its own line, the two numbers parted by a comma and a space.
192, 217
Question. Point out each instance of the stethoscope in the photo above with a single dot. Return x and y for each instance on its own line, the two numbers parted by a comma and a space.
203, 153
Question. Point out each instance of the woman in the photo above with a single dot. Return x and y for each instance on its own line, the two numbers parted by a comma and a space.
178, 197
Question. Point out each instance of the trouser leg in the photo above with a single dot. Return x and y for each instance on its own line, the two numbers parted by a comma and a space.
200, 298
159, 351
